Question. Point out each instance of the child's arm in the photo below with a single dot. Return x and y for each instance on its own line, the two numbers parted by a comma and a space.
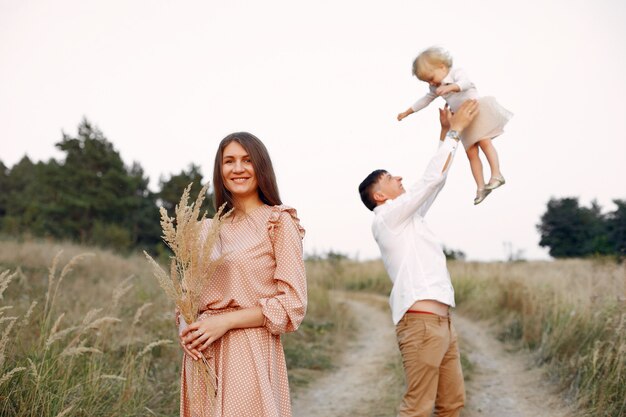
405, 113
419, 104
461, 82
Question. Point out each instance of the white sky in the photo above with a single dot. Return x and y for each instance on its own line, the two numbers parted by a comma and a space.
321, 83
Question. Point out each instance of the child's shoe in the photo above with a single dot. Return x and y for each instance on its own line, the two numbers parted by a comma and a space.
481, 194
495, 182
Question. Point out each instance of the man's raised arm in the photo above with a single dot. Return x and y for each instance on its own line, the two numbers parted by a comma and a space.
421, 196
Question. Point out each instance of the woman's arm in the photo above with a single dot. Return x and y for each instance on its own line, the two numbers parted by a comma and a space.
200, 334
285, 311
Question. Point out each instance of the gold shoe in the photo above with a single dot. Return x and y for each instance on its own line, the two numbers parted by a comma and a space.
481, 194
495, 182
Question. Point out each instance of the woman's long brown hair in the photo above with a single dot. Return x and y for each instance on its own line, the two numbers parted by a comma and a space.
263, 169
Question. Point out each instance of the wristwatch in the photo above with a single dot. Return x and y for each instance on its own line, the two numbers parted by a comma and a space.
453, 134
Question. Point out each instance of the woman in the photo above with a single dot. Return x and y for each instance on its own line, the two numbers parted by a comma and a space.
257, 293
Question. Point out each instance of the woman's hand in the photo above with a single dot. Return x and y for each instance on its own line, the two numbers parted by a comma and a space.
194, 353
200, 334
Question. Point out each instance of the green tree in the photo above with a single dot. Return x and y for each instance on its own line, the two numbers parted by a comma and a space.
18, 196
143, 220
172, 188
4, 188
570, 230
616, 227
101, 197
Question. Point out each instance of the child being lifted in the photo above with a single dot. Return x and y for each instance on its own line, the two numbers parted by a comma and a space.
434, 66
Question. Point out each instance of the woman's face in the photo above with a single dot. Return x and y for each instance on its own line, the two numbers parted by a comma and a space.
238, 172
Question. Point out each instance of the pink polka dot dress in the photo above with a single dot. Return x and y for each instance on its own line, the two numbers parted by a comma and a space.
263, 266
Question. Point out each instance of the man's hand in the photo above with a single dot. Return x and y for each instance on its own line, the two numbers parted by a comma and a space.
464, 115
442, 90
444, 118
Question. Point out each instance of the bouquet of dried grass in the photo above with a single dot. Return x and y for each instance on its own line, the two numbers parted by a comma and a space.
191, 268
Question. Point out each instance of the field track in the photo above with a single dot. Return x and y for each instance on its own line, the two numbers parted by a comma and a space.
503, 383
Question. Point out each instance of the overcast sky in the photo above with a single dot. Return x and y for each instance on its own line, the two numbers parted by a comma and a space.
320, 83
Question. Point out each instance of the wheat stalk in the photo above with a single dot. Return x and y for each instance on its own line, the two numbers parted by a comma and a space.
77, 351
33, 371
10, 374
139, 312
29, 312
65, 412
51, 275
192, 239
121, 289
96, 324
152, 345
90, 316
50, 294
5, 279
5, 339
113, 377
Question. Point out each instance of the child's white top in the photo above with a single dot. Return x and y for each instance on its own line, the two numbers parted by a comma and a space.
455, 76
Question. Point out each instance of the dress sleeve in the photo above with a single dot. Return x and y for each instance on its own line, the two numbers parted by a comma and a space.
285, 311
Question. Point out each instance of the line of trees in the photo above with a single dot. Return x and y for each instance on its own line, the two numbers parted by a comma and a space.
570, 230
90, 196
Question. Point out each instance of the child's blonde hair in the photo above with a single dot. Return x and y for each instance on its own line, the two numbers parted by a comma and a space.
434, 55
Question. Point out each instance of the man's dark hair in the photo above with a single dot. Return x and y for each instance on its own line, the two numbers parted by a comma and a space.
365, 188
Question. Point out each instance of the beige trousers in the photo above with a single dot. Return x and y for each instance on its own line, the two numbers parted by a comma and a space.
432, 366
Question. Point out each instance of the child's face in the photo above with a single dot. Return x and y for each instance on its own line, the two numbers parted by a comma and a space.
434, 74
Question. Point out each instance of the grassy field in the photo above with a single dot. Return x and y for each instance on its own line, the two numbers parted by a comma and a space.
91, 335
571, 313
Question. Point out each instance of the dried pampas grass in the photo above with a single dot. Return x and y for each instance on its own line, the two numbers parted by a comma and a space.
192, 238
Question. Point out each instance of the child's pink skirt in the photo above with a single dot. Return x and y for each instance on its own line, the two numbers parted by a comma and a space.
489, 122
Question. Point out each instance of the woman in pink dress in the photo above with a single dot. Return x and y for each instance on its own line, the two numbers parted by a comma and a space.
255, 295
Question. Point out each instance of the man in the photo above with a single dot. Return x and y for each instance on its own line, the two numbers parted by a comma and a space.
422, 293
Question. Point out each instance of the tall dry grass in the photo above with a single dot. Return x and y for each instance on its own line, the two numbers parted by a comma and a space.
572, 313
80, 338
96, 339
327, 325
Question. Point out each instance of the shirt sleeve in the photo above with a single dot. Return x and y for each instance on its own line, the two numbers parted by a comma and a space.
462, 80
424, 101
286, 309
419, 198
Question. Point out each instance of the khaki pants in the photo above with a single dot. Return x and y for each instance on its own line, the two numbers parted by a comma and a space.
432, 366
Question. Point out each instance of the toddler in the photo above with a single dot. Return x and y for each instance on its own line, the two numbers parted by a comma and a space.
434, 66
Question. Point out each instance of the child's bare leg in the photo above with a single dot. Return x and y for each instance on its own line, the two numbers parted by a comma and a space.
492, 157
476, 165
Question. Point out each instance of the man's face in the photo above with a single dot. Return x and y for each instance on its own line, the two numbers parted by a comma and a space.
389, 187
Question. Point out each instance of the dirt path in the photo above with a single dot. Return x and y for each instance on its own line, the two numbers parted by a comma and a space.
367, 373
361, 379
504, 383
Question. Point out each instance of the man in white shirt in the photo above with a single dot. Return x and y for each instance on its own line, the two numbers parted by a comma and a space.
422, 293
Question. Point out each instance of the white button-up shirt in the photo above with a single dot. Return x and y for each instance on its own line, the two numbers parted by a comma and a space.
412, 254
